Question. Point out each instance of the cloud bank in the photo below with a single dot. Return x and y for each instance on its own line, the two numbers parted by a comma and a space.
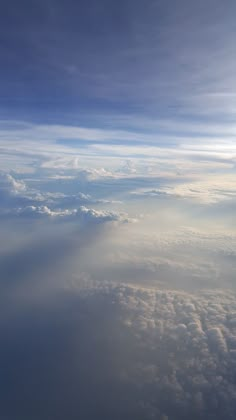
131, 351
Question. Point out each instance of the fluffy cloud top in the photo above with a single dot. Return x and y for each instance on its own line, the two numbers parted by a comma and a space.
135, 352
99, 216
10, 184
183, 351
43, 211
83, 214
23, 200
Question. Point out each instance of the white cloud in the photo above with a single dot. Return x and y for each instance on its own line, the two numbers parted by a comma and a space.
83, 214
11, 185
99, 216
205, 191
43, 211
177, 349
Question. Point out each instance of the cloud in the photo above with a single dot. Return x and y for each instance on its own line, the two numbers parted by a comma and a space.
13, 192
29, 198
99, 216
10, 185
43, 211
67, 146
167, 354
83, 214
212, 190
93, 174
190, 344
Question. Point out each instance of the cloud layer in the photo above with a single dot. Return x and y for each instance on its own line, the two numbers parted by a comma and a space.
132, 351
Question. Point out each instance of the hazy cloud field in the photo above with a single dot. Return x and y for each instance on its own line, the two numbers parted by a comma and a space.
117, 210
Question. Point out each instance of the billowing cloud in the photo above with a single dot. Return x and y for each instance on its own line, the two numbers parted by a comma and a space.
83, 214
43, 211
183, 351
99, 216
11, 185
167, 354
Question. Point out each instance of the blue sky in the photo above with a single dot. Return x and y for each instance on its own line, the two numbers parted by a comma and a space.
150, 73
88, 62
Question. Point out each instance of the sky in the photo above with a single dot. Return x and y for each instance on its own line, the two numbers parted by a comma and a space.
117, 209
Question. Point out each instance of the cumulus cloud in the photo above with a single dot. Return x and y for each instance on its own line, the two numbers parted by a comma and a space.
28, 198
100, 216
183, 351
169, 354
11, 185
43, 211
83, 214
166, 354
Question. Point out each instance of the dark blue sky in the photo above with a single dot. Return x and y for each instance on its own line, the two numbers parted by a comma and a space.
67, 60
